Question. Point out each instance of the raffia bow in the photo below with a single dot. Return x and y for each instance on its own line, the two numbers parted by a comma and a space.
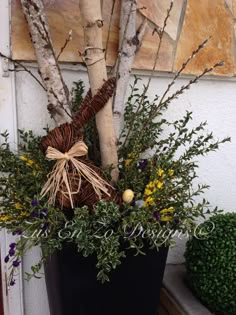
59, 174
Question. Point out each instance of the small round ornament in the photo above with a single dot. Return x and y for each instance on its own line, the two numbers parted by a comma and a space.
128, 195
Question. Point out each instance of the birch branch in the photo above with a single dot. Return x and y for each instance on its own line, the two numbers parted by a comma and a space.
130, 42
57, 92
95, 61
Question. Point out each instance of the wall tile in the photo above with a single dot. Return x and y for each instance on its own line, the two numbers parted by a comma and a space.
204, 19
234, 8
156, 12
229, 5
64, 15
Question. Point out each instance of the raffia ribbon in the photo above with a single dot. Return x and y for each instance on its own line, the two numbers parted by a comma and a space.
59, 174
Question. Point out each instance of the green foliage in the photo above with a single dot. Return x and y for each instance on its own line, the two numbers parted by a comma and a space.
97, 234
109, 233
166, 148
22, 177
90, 133
25, 173
157, 160
77, 95
211, 264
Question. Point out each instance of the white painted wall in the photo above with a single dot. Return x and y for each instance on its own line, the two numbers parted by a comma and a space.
35, 291
12, 299
211, 99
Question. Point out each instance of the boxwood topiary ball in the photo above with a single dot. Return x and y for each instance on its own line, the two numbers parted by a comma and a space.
211, 265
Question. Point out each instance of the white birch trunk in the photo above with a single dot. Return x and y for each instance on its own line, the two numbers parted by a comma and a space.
95, 61
57, 92
129, 43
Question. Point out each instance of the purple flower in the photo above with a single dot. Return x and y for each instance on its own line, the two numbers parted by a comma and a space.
6, 259
34, 214
156, 215
43, 213
176, 220
12, 245
12, 252
12, 282
44, 226
142, 164
16, 263
34, 203
17, 232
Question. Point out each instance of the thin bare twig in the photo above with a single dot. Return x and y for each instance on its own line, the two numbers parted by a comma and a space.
187, 86
68, 39
25, 68
177, 93
184, 65
142, 8
109, 28
159, 46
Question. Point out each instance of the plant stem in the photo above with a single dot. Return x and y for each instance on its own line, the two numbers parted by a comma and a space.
23, 67
161, 33
68, 39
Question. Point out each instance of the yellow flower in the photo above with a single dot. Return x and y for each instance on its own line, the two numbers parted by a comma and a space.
149, 202
24, 214
148, 192
4, 218
30, 163
167, 210
131, 158
128, 162
166, 218
159, 184
171, 172
160, 172
18, 206
23, 158
151, 185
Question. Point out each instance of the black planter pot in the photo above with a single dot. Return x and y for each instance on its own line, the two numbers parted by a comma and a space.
134, 287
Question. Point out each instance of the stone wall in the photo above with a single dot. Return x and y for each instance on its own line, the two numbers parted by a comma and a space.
191, 22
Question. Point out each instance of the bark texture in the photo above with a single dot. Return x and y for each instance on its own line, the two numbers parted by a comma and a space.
57, 92
129, 42
95, 61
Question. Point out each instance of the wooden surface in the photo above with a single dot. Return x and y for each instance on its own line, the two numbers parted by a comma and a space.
162, 311
168, 305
